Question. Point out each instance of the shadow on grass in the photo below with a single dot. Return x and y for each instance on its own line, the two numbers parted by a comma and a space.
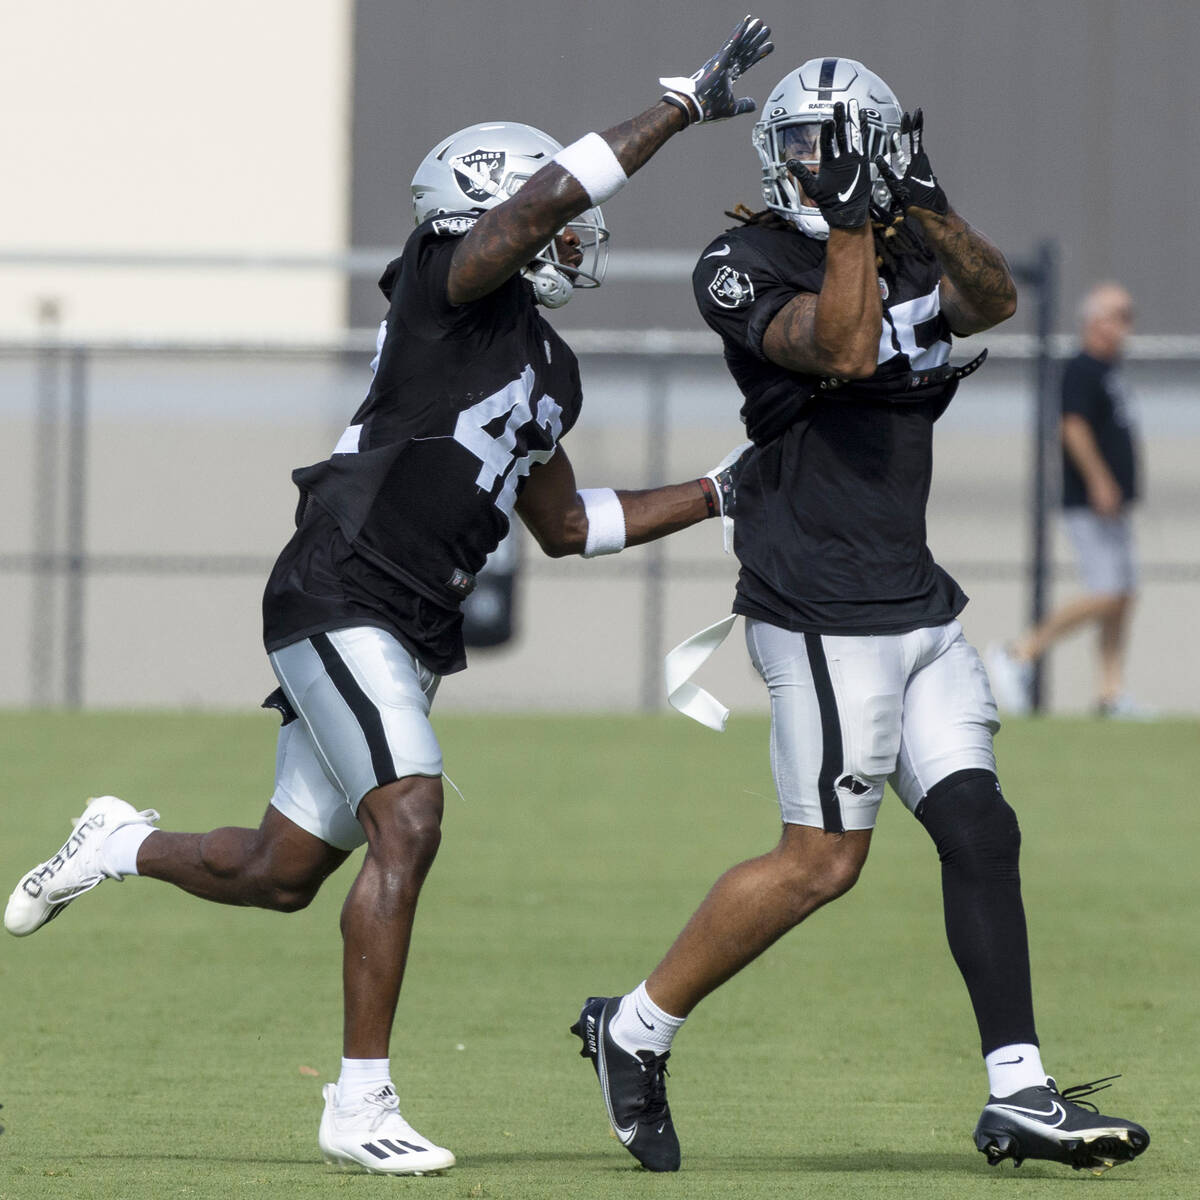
852, 1161
199, 1156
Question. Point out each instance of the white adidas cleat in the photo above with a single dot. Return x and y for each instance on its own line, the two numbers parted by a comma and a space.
77, 868
377, 1138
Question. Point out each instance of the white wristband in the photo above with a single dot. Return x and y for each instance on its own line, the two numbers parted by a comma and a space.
592, 161
606, 521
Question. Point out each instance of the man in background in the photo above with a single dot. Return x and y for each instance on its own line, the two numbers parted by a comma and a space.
1100, 482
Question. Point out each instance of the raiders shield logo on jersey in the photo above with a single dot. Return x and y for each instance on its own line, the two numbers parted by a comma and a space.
479, 173
730, 288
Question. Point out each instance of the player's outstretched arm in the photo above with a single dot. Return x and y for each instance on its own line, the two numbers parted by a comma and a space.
595, 521
977, 289
835, 332
594, 168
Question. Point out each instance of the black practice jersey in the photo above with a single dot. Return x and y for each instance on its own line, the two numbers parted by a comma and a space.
465, 399
1095, 390
830, 528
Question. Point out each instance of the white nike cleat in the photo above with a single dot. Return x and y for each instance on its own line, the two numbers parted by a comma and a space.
77, 868
377, 1138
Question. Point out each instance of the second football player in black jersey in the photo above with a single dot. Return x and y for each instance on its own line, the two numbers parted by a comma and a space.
836, 306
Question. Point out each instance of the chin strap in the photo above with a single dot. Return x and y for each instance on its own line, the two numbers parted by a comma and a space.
551, 288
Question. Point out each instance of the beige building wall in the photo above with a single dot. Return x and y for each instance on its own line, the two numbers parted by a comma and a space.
205, 126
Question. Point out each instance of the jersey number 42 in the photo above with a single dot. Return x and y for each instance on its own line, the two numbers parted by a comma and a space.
508, 455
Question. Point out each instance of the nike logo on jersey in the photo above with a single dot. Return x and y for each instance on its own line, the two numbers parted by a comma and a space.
719, 252
924, 182
1055, 1110
844, 196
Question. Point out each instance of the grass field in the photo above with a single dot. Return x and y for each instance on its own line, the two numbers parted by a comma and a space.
153, 1045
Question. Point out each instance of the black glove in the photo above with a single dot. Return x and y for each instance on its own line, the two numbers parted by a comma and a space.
919, 187
842, 190
708, 94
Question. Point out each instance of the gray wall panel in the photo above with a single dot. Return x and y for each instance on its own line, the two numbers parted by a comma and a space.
1045, 118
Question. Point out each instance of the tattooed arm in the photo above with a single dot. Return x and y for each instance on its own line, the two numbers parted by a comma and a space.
835, 332
977, 288
507, 237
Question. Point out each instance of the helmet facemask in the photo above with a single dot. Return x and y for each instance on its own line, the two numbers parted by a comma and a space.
554, 281
791, 126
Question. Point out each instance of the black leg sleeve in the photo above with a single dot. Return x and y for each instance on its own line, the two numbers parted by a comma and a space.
979, 843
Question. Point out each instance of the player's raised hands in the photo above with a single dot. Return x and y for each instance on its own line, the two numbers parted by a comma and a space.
842, 187
707, 95
918, 186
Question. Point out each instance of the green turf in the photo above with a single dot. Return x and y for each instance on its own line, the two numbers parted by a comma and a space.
152, 1044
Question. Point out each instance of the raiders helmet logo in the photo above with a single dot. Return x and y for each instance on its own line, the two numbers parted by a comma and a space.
730, 288
479, 173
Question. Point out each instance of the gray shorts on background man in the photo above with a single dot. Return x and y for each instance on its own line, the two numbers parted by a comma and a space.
1103, 550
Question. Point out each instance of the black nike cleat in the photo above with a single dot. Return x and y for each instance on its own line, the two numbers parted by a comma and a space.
634, 1088
1042, 1122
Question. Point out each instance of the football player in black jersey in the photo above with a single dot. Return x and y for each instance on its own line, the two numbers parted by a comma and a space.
472, 391
836, 305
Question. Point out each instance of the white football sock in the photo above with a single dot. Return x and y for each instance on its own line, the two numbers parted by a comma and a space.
120, 850
641, 1025
1011, 1068
360, 1076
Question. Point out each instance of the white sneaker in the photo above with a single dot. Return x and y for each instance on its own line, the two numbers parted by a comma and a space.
1125, 708
376, 1137
77, 868
1012, 680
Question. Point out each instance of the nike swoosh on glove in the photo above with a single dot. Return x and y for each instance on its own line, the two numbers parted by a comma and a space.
918, 186
842, 188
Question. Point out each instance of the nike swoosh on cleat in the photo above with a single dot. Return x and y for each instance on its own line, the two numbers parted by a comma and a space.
1055, 1109
924, 182
626, 1135
719, 253
844, 196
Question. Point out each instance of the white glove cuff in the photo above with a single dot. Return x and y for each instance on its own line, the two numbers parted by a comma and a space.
606, 521
592, 161
681, 92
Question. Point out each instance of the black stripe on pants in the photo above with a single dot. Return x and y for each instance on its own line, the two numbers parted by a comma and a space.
831, 736
359, 703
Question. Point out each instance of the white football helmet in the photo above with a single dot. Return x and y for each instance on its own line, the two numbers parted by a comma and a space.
791, 126
482, 166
